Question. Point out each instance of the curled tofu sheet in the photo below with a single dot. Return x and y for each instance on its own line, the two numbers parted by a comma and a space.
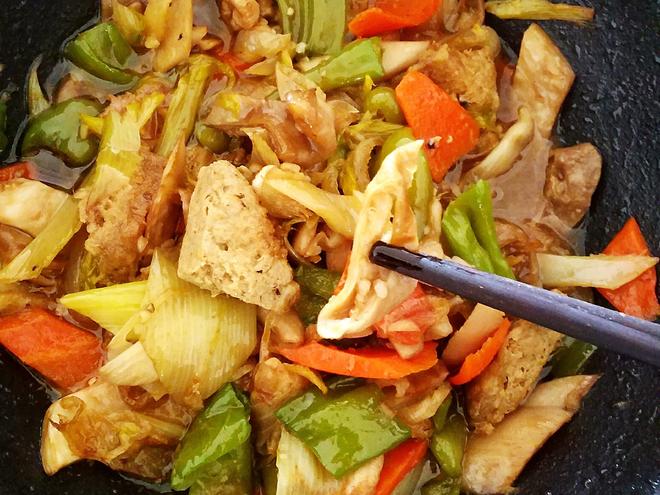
542, 79
370, 292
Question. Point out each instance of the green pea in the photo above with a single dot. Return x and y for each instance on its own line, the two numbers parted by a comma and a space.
382, 103
212, 138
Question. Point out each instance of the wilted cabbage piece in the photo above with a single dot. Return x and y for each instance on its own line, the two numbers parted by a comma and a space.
504, 154
99, 423
110, 307
371, 292
542, 79
492, 462
571, 179
603, 271
300, 472
42, 250
28, 205
273, 384
287, 193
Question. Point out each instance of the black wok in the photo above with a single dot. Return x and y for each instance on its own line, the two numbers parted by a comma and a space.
613, 444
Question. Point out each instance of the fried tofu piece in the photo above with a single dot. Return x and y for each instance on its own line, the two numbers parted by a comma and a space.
230, 246
542, 79
571, 179
116, 220
503, 386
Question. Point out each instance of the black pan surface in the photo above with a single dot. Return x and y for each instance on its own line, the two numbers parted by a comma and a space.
612, 446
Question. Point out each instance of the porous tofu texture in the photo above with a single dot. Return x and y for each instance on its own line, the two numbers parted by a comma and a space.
230, 245
509, 379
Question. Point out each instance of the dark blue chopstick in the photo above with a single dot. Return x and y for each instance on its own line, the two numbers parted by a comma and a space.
605, 328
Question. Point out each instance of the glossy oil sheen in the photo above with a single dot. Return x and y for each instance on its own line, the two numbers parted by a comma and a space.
611, 446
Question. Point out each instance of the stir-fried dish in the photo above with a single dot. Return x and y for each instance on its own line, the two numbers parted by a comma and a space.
185, 239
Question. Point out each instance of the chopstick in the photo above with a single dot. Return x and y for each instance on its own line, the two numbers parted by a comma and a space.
600, 326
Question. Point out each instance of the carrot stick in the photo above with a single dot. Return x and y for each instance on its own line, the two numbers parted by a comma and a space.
364, 363
398, 463
478, 361
392, 15
62, 353
448, 129
18, 170
638, 297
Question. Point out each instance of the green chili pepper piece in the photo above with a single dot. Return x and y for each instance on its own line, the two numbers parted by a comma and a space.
469, 227
356, 61
381, 102
231, 474
448, 445
318, 281
421, 190
440, 416
571, 358
211, 138
442, 485
395, 140
343, 429
58, 130
309, 306
220, 429
103, 52
421, 194
4, 140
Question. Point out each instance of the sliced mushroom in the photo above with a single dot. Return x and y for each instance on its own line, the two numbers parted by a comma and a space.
493, 462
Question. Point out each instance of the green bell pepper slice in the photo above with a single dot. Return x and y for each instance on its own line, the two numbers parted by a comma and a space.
343, 429
231, 474
469, 227
442, 485
309, 306
318, 281
440, 416
58, 129
317, 286
352, 65
571, 358
213, 445
103, 52
448, 444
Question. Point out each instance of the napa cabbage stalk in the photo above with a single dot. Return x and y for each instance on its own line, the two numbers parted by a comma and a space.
300, 472
195, 341
132, 367
539, 10
41, 251
186, 100
110, 307
602, 271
